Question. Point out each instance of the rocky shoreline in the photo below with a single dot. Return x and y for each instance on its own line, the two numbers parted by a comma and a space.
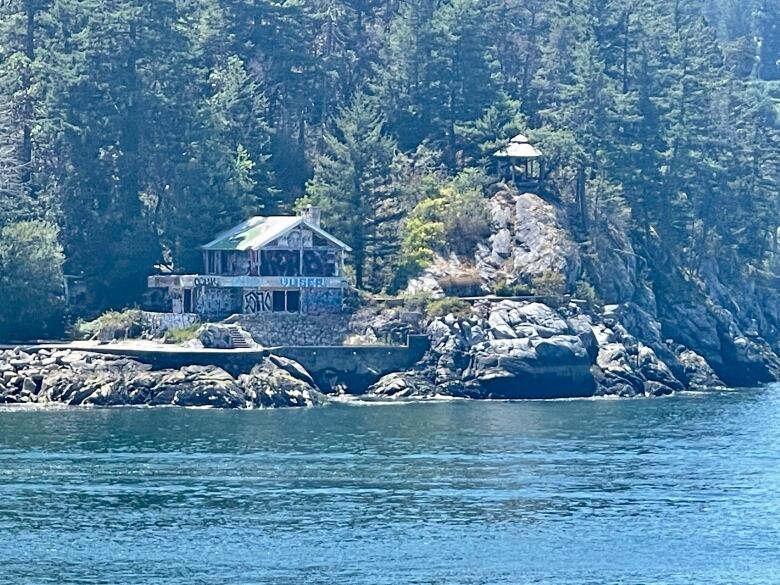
80, 378
649, 328
511, 349
501, 349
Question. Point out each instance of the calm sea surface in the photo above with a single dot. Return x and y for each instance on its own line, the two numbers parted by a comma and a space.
683, 489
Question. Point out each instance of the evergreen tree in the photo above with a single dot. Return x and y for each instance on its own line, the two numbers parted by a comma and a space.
351, 181
31, 281
225, 174
142, 127
12, 195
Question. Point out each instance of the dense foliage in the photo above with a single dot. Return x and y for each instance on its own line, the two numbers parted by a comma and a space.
140, 127
30, 280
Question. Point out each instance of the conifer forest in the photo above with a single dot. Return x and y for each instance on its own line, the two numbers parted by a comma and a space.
132, 131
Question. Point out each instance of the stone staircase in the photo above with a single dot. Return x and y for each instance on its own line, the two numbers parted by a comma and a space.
238, 339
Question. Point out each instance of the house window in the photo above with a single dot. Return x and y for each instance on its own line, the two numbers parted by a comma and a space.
319, 263
286, 301
211, 262
293, 301
279, 301
280, 263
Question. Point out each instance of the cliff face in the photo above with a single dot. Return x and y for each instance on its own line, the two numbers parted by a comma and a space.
529, 241
659, 330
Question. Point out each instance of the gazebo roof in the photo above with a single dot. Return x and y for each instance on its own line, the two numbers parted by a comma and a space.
518, 147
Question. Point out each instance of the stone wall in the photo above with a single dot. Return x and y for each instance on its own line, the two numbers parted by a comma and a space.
354, 368
350, 368
275, 329
158, 323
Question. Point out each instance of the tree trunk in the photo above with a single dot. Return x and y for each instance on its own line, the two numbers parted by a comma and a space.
25, 154
581, 198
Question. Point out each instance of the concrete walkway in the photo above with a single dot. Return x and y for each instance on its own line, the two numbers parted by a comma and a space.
128, 345
357, 365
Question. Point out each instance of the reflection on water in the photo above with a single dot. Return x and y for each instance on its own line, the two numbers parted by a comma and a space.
677, 490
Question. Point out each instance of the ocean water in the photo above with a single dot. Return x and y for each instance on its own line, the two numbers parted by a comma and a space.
678, 490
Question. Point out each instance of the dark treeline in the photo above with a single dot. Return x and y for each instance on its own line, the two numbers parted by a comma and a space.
132, 130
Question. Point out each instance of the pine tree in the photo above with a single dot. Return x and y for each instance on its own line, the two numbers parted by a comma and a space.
351, 180
12, 193
225, 175
31, 281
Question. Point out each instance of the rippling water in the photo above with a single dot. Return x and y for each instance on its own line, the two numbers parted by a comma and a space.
678, 490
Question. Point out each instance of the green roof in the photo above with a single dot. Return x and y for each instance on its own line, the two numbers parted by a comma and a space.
259, 231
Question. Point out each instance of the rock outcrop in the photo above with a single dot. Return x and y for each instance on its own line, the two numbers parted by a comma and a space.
529, 241
510, 349
223, 336
89, 379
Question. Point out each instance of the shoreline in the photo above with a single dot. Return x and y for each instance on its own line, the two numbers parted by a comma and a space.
357, 401
491, 350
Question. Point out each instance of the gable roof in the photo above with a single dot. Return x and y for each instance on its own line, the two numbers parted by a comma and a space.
260, 230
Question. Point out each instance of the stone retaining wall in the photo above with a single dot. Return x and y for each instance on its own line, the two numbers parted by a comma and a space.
275, 329
159, 323
353, 368
356, 367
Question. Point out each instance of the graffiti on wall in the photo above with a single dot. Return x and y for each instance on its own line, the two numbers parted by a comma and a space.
257, 301
320, 263
214, 301
280, 262
205, 281
159, 323
321, 301
293, 239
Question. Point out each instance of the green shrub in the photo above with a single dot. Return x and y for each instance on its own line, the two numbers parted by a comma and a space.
111, 325
585, 291
455, 219
549, 284
445, 306
422, 238
31, 281
503, 289
466, 223
182, 334
418, 301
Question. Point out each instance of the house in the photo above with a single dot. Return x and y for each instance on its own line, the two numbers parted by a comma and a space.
264, 264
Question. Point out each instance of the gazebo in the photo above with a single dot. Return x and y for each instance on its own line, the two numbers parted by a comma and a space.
520, 161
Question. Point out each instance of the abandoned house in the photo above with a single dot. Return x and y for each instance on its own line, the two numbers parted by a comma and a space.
265, 264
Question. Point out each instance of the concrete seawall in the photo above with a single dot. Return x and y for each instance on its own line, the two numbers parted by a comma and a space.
358, 366
354, 366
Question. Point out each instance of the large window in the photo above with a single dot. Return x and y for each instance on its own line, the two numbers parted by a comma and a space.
319, 263
211, 262
286, 301
280, 263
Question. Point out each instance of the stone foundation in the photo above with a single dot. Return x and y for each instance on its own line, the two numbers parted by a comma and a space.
276, 329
